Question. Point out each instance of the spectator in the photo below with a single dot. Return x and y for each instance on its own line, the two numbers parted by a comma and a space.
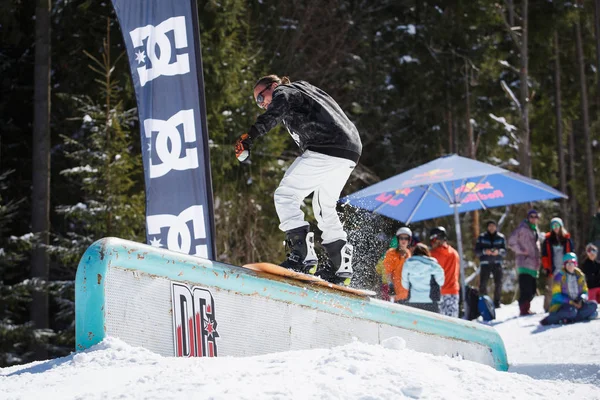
380, 270
419, 274
525, 242
591, 270
491, 249
448, 258
595, 228
569, 295
556, 244
393, 263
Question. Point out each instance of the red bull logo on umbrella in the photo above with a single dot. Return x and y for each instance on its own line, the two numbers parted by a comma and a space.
425, 177
472, 187
474, 192
392, 198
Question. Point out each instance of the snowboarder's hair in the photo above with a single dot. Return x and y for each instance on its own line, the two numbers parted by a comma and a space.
421, 250
269, 79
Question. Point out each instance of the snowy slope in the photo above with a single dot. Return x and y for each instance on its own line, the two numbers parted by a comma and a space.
354, 371
570, 352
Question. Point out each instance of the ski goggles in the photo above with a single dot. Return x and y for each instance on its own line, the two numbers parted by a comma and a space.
406, 238
555, 225
260, 98
571, 262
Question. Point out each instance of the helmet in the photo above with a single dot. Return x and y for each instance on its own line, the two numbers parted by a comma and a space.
439, 233
570, 257
404, 231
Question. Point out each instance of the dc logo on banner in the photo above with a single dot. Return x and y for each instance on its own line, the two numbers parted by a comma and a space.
168, 143
158, 49
179, 237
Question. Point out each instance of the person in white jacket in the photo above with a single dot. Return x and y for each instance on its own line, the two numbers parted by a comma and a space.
419, 274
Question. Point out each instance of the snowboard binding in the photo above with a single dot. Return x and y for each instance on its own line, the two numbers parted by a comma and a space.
300, 244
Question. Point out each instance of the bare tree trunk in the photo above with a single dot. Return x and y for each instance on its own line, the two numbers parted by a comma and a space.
449, 121
591, 189
597, 31
524, 148
511, 12
574, 228
559, 130
40, 202
471, 144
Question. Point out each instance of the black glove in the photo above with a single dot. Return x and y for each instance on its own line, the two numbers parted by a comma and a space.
242, 147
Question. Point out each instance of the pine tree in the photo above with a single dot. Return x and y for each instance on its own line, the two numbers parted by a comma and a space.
106, 173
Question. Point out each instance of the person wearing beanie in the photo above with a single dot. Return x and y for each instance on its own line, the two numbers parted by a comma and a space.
556, 244
491, 249
570, 295
525, 242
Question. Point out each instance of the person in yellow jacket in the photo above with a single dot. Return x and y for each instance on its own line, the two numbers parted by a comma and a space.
394, 261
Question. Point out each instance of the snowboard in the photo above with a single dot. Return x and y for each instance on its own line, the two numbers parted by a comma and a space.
311, 279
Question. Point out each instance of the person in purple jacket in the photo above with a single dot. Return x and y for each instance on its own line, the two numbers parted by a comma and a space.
525, 242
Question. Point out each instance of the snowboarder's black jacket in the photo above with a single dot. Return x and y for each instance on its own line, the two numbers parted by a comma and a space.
315, 121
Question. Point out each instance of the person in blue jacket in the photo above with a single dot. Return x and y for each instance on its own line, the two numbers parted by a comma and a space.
423, 277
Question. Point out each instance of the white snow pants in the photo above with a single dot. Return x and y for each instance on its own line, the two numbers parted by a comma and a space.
325, 176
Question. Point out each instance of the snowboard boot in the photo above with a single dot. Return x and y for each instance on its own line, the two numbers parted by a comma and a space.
338, 268
300, 244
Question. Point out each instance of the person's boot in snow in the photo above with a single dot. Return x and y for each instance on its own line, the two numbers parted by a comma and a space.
338, 268
524, 308
301, 246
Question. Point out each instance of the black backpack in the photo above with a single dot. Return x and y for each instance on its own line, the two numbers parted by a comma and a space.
434, 290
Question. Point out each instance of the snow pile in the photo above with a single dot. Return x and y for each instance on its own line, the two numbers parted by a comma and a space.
354, 371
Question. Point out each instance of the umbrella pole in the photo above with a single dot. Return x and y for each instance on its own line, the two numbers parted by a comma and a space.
461, 258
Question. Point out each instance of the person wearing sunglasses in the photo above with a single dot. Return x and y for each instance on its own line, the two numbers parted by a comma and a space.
330, 147
525, 242
591, 270
394, 261
570, 295
556, 244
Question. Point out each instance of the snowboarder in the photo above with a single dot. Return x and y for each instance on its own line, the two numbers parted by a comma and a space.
330, 147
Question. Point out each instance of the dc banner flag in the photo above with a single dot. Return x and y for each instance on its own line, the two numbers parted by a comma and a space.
163, 47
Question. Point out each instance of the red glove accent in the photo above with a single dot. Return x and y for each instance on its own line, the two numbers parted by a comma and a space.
242, 147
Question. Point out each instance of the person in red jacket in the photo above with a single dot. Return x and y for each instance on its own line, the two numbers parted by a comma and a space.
556, 244
449, 260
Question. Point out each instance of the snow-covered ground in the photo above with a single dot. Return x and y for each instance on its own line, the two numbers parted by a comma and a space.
546, 363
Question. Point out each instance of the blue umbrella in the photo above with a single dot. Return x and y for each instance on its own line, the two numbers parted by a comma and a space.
449, 185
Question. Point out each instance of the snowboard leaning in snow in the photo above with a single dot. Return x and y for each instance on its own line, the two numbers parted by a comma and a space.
311, 279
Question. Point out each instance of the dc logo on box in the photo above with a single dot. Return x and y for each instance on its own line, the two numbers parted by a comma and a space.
178, 234
194, 323
159, 49
168, 146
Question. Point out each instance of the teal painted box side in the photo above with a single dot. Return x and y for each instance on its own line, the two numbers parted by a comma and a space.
93, 267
